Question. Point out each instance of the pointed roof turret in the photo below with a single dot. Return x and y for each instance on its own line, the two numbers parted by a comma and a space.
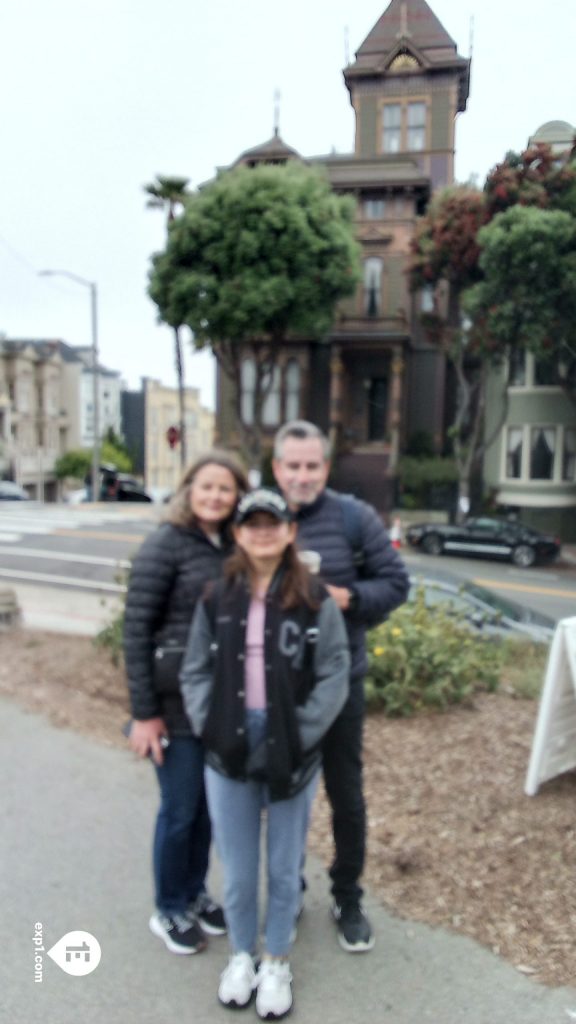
413, 20
409, 38
274, 151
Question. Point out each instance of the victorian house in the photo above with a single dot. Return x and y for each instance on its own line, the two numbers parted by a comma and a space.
374, 381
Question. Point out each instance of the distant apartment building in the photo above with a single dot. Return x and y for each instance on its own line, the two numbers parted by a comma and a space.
148, 415
47, 408
109, 403
33, 419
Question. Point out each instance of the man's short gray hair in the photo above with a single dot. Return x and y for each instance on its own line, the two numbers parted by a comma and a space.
302, 430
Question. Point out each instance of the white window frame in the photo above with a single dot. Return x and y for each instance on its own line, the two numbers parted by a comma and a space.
560, 432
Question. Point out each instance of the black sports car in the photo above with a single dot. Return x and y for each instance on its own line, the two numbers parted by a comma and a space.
486, 538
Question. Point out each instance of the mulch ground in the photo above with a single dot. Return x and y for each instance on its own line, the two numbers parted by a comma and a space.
453, 840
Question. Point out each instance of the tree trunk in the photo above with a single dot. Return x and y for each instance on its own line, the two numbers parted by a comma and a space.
181, 397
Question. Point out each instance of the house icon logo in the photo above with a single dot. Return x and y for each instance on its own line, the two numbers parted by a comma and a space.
77, 953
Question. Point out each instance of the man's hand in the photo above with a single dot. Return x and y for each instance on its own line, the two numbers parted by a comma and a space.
145, 738
341, 595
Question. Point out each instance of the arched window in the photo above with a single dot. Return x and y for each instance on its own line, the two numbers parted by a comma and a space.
292, 390
248, 385
372, 286
271, 404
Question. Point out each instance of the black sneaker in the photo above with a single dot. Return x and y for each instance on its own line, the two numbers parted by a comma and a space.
354, 931
210, 915
180, 932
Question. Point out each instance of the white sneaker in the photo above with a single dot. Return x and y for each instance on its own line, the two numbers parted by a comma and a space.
237, 981
274, 989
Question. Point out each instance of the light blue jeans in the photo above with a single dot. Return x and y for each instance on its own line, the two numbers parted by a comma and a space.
236, 809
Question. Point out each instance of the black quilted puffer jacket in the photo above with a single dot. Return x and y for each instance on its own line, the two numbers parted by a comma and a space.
168, 576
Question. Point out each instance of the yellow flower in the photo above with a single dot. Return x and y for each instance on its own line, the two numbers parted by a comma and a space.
378, 651
395, 631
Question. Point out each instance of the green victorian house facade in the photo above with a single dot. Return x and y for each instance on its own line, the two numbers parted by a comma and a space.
531, 466
374, 381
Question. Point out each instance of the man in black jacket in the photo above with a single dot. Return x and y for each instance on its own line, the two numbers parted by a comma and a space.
367, 579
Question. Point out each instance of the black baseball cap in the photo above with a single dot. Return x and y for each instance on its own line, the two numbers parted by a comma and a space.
263, 500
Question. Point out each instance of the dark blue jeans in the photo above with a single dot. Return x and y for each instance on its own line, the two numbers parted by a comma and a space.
182, 836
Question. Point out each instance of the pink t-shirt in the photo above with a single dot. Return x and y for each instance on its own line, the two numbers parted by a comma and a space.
254, 675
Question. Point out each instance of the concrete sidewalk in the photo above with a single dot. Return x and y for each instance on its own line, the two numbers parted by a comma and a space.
64, 610
75, 851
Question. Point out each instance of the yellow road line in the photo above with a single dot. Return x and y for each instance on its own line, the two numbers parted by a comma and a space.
524, 588
136, 538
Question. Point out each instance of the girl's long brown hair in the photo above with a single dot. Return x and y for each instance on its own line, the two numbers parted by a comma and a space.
297, 586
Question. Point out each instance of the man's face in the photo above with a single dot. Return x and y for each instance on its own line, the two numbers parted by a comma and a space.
302, 471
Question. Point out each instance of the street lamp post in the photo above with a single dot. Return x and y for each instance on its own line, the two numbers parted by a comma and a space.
95, 384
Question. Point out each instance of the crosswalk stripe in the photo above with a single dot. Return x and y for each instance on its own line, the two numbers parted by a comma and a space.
65, 581
65, 556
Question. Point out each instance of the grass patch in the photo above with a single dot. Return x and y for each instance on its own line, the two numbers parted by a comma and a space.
523, 668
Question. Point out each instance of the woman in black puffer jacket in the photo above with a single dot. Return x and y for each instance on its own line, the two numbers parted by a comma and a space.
167, 579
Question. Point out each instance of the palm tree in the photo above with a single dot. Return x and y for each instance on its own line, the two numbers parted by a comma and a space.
167, 194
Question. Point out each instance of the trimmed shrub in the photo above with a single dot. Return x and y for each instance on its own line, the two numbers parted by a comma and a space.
427, 658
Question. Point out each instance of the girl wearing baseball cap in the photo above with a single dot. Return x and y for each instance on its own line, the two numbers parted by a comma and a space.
264, 675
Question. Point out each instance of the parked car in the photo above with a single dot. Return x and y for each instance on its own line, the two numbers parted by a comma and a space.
128, 489
9, 491
484, 610
485, 537
114, 486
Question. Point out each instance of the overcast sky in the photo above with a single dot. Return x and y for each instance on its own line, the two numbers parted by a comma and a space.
100, 96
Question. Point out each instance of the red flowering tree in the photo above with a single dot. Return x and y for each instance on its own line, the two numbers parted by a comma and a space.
444, 259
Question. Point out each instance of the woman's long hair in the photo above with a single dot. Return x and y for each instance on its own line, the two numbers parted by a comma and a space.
297, 585
179, 512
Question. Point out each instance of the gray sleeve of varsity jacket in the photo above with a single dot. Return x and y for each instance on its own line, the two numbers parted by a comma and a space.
332, 671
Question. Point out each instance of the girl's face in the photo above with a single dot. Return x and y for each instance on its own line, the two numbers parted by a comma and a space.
213, 495
263, 537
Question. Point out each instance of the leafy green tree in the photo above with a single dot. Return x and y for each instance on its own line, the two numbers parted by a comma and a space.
169, 194
527, 296
258, 255
76, 463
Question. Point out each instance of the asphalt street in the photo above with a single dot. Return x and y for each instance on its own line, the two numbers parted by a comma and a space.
74, 848
68, 564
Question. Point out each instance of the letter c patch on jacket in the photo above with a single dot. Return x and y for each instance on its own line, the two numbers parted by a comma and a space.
290, 641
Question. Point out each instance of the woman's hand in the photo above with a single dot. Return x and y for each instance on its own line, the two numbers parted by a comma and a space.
145, 736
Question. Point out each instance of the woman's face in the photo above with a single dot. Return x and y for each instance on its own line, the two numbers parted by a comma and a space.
213, 495
262, 536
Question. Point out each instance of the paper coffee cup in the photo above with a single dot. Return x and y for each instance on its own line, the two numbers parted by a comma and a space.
312, 560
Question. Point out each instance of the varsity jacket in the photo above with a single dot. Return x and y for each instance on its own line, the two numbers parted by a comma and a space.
306, 672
